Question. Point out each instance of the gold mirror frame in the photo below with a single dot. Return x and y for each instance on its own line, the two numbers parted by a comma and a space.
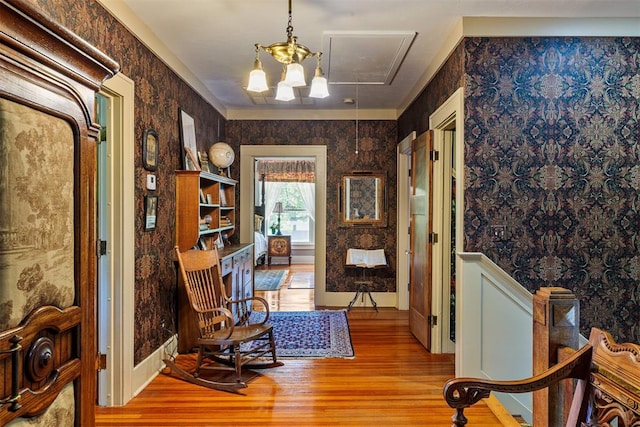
363, 200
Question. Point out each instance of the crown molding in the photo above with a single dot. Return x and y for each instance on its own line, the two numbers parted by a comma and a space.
310, 114
522, 27
550, 27
123, 14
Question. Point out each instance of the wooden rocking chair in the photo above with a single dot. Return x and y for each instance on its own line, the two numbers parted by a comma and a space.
230, 341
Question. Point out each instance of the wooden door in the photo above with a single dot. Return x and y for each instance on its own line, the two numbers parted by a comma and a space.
48, 78
421, 206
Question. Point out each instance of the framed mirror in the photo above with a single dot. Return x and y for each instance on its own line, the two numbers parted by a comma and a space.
363, 199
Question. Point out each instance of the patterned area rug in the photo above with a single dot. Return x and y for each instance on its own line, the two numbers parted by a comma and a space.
269, 280
301, 281
311, 334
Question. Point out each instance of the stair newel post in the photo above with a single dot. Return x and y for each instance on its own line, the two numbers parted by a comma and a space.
556, 325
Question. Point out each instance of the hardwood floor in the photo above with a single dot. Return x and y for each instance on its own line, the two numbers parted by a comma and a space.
286, 299
391, 381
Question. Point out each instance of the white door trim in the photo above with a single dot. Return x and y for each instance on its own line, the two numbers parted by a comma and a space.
119, 315
404, 218
451, 109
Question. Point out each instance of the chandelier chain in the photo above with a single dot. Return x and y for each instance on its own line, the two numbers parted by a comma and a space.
357, 104
290, 24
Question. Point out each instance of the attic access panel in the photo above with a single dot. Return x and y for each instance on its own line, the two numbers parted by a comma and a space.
365, 57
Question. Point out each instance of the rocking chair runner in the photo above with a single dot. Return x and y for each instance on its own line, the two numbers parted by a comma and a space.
231, 342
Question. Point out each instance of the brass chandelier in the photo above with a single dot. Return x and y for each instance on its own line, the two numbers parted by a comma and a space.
290, 54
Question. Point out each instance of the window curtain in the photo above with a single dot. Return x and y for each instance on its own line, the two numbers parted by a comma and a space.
276, 172
287, 170
308, 191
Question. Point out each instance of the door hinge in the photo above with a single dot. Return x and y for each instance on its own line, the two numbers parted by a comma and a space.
434, 155
433, 238
432, 320
102, 247
101, 362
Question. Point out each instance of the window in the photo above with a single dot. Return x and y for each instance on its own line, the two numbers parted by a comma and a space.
296, 220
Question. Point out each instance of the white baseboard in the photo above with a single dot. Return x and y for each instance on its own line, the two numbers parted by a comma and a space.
149, 368
342, 299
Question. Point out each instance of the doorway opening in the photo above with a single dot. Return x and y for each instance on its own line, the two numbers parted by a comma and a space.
248, 201
116, 384
284, 212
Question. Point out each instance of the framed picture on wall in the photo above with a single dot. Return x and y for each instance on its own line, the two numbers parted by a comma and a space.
150, 212
188, 141
150, 150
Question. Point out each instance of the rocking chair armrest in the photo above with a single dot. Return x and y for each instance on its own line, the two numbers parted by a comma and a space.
262, 301
222, 310
230, 320
463, 392
265, 307
252, 298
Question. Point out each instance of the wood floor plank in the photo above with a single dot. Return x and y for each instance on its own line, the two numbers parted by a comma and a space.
392, 381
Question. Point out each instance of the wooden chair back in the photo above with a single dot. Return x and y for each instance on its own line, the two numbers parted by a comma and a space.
609, 393
607, 390
202, 276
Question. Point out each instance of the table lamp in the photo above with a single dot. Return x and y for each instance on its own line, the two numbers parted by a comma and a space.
278, 209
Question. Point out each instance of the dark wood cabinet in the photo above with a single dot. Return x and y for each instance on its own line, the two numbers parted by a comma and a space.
48, 80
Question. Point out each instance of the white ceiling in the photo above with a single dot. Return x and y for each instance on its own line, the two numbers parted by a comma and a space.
210, 43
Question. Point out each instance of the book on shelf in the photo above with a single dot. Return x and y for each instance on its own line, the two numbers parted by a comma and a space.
367, 258
207, 243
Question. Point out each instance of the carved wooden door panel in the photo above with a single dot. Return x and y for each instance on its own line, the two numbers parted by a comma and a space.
48, 77
420, 229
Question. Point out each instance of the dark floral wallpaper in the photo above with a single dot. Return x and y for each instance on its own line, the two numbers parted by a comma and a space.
551, 152
376, 152
551, 134
158, 95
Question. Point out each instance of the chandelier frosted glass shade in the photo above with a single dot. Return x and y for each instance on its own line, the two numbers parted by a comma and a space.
319, 87
284, 92
257, 81
295, 75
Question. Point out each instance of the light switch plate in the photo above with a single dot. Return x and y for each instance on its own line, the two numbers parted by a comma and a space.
151, 182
